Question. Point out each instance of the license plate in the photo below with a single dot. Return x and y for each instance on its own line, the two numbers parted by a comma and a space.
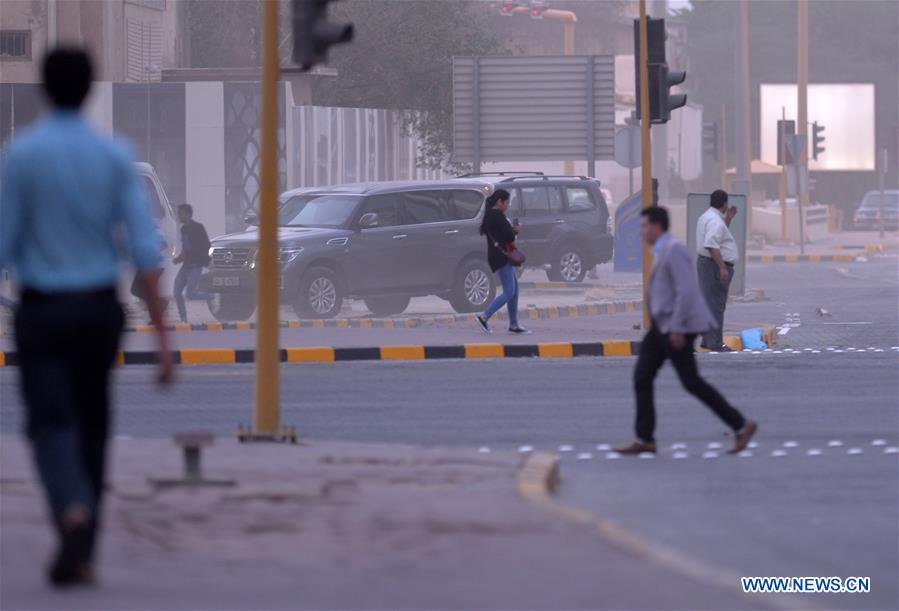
226, 281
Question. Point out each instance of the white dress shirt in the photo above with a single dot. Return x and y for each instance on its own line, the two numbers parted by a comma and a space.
713, 232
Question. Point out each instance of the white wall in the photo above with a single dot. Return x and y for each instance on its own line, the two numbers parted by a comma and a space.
205, 154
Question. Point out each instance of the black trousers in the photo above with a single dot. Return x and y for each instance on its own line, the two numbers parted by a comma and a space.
67, 343
654, 350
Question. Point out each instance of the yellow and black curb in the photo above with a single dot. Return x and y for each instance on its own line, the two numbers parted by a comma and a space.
546, 313
327, 354
801, 258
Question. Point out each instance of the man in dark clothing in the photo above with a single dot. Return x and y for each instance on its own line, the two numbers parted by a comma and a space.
194, 257
69, 195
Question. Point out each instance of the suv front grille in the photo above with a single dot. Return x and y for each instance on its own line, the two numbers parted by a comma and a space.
231, 258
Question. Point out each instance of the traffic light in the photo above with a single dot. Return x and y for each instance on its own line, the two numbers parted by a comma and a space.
538, 7
670, 101
661, 79
655, 191
817, 140
785, 128
710, 139
313, 34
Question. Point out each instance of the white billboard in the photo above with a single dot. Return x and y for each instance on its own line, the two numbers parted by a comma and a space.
846, 110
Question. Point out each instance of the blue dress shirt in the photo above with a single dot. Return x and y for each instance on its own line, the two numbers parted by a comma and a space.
70, 206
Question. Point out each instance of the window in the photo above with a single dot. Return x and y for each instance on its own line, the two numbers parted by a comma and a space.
425, 207
156, 208
465, 204
579, 199
541, 200
555, 199
15, 44
386, 208
326, 210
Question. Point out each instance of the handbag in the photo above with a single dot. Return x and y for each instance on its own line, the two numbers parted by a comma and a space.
516, 257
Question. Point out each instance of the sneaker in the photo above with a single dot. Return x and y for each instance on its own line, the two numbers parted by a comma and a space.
519, 330
483, 322
637, 447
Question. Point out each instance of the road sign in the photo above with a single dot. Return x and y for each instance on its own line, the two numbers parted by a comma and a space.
627, 147
547, 108
628, 246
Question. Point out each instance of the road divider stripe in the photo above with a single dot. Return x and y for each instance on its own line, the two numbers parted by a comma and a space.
801, 258
555, 350
484, 351
328, 354
543, 313
402, 353
207, 356
322, 354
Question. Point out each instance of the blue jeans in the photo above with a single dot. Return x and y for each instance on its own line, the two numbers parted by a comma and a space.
509, 296
188, 278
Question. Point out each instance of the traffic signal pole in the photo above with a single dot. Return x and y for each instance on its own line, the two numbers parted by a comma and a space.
266, 414
646, 149
802, 116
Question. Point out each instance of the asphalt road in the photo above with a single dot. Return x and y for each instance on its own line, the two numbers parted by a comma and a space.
828, 506
830, 514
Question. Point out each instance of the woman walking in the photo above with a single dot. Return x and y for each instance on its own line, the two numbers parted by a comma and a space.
500, 236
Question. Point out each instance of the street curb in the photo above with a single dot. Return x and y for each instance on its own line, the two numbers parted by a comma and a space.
537, 481
545, 313
868, 248
328, 354
801, 258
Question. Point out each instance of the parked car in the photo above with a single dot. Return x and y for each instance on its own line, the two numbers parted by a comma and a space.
381, 242
166, 218
868, 214
565, 221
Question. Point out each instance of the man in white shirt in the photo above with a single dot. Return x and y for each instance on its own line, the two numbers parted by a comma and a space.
718, 254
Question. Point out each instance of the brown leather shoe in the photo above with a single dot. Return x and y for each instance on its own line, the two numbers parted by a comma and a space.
744, 437
638, 447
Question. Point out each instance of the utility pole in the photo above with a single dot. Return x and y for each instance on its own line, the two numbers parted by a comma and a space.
783, 173
884, 162
802, 115
722, 147
742, 184
646, 149
266, 414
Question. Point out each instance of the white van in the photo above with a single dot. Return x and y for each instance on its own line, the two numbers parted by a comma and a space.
165, 215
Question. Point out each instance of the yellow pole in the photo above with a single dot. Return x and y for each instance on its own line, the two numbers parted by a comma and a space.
745, 118
802, 115
783, 177
722, 138
645, 149
266, 413
568, 44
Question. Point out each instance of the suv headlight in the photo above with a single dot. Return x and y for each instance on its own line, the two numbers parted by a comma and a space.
287, 255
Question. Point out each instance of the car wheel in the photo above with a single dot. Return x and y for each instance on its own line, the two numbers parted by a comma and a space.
474, 287
569, 265
231, 308
387, 306
320, 294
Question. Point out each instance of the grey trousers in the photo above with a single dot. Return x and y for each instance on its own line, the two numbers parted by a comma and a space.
715, 293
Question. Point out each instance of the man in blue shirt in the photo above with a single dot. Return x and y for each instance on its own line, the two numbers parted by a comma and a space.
70, 203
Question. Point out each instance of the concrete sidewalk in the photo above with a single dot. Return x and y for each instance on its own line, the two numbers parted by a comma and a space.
330, 526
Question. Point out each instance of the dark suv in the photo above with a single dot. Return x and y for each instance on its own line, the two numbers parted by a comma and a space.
388, 242
565, 221
381, 242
